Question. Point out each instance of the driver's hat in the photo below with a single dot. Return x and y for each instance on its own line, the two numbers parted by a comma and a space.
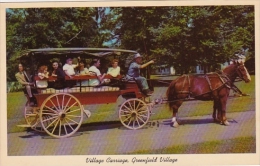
137, 56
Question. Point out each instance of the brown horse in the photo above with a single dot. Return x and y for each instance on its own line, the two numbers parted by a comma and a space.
211, 86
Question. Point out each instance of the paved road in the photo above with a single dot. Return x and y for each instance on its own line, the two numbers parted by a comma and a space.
113, 138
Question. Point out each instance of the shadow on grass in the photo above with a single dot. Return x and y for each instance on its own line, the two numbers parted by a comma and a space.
85, 128
196, 121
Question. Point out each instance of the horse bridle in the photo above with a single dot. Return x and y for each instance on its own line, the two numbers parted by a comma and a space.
239, 72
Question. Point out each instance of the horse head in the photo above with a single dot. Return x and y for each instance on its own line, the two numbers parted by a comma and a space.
237, 69
242, 72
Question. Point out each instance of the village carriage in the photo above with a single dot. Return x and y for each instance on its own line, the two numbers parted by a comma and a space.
60, 112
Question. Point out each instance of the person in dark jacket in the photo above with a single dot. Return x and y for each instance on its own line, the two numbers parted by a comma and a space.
59, 73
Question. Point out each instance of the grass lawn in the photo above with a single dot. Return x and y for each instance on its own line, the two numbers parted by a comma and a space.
108, 112
237, 145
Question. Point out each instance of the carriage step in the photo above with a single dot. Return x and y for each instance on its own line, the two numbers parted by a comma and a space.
24, 125
87, 113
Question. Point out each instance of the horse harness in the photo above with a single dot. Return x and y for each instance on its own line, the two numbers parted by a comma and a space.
223, 78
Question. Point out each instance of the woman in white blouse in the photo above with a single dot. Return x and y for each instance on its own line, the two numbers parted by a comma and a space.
114, 71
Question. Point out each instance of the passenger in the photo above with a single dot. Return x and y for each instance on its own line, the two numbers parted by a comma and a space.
69, 70
134, 73
43, 74
24, 78
82, 70
95, 64
113, 71
59, 74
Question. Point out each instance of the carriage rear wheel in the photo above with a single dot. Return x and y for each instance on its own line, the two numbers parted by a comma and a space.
61, 115
31, 115
134, 113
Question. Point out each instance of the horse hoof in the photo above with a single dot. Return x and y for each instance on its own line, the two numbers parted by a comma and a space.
175, 124
226, 123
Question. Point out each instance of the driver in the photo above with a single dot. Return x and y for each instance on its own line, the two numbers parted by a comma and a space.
134, 73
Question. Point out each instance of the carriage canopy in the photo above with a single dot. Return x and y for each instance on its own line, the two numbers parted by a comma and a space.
95, 52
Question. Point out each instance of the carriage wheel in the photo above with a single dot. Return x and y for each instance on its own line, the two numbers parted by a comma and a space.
61, 115
134, 113
31, 116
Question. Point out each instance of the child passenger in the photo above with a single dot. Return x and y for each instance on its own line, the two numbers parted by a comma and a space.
43, 75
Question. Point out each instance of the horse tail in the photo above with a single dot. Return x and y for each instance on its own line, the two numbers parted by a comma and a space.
171, 95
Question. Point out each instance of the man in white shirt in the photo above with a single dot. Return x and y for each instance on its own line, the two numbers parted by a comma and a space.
69, 68
94, 69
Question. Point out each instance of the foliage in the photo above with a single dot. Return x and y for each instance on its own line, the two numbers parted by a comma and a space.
179, 36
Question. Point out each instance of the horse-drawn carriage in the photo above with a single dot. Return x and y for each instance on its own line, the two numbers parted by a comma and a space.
60, 112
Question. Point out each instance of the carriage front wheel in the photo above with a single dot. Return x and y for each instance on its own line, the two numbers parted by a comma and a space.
134, 113
61, 115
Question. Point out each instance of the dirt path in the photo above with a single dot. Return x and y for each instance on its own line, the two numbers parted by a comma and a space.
113, 138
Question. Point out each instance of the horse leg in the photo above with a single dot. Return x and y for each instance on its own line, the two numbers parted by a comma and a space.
175, 108
214, 110
223, 106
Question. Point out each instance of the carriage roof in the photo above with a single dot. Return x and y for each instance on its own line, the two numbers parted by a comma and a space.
94, 52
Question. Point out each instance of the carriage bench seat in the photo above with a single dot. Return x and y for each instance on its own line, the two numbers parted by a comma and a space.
78, 89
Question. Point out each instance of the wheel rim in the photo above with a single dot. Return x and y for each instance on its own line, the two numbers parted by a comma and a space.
134, 113
61, 115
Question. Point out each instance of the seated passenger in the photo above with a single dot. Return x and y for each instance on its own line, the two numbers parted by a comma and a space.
82, 70
42, 73
95, 64
24, 78
69, 70
134, 73
60, 75
113, 71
